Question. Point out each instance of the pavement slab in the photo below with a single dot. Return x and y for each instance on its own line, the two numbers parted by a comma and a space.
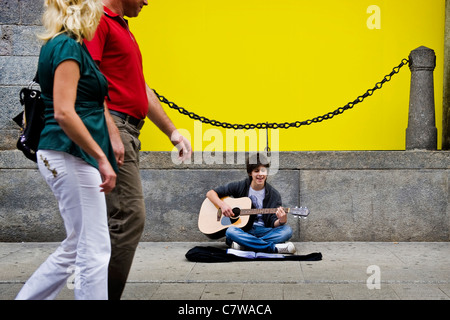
348, 271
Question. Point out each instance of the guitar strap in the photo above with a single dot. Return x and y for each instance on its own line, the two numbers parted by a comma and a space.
212, 254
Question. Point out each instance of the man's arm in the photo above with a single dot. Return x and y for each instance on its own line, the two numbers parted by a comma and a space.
114, 136
214, 198
159, 117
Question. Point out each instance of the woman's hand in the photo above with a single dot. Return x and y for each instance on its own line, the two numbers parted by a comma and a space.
108, 176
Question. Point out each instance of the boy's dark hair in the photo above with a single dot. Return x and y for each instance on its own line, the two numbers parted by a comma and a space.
256, 160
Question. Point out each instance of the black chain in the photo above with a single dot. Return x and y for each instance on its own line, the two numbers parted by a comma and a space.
285, 125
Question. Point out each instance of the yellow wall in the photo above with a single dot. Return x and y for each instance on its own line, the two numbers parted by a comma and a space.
249, 61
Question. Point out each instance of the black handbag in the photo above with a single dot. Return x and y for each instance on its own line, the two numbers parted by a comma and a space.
30, 120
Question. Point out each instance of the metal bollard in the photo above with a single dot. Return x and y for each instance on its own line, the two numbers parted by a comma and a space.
421, 132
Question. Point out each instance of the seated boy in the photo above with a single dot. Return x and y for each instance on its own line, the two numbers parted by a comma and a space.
264, 232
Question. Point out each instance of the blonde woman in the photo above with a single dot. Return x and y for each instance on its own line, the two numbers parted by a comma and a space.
75, 155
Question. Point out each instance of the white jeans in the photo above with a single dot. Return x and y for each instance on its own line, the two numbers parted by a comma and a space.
84, 255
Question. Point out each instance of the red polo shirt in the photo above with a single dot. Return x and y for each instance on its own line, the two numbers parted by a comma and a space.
117, 53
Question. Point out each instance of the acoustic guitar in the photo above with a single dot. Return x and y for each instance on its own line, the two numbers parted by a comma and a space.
213, 224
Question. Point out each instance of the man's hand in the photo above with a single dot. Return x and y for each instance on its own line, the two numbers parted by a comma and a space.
182, 144
119, 150
227, 211
281, 215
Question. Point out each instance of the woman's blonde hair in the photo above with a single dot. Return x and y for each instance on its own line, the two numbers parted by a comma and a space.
78, 18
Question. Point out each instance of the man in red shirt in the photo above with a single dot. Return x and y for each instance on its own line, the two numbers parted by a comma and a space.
117, 53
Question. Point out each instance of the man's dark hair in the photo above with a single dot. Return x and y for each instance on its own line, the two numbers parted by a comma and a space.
256, 160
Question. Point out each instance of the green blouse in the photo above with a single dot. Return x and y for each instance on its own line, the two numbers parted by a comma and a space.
91, 91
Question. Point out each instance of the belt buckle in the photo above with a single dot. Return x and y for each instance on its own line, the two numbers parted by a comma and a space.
140, 124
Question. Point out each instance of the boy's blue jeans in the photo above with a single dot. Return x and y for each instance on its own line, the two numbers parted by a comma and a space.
258, 238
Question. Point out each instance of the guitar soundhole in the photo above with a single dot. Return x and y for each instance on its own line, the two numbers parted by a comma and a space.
237, 213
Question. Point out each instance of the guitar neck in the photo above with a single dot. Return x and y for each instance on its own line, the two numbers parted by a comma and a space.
247, 212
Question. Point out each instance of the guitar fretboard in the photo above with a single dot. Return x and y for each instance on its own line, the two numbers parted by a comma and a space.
247, 212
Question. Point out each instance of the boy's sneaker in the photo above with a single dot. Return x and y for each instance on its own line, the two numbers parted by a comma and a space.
236, 246
287, 247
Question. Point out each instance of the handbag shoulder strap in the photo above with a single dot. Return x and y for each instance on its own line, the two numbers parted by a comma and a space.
36, 77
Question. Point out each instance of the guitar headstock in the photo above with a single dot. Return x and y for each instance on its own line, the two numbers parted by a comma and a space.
301, 212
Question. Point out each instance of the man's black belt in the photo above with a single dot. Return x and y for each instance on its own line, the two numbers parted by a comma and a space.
138, 123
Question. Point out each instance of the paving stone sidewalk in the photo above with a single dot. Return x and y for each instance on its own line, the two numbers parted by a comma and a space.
348, 271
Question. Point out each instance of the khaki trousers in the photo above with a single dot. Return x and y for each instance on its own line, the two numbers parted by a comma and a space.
126, 211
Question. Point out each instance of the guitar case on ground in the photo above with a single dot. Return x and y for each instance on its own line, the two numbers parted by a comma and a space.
210, 254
